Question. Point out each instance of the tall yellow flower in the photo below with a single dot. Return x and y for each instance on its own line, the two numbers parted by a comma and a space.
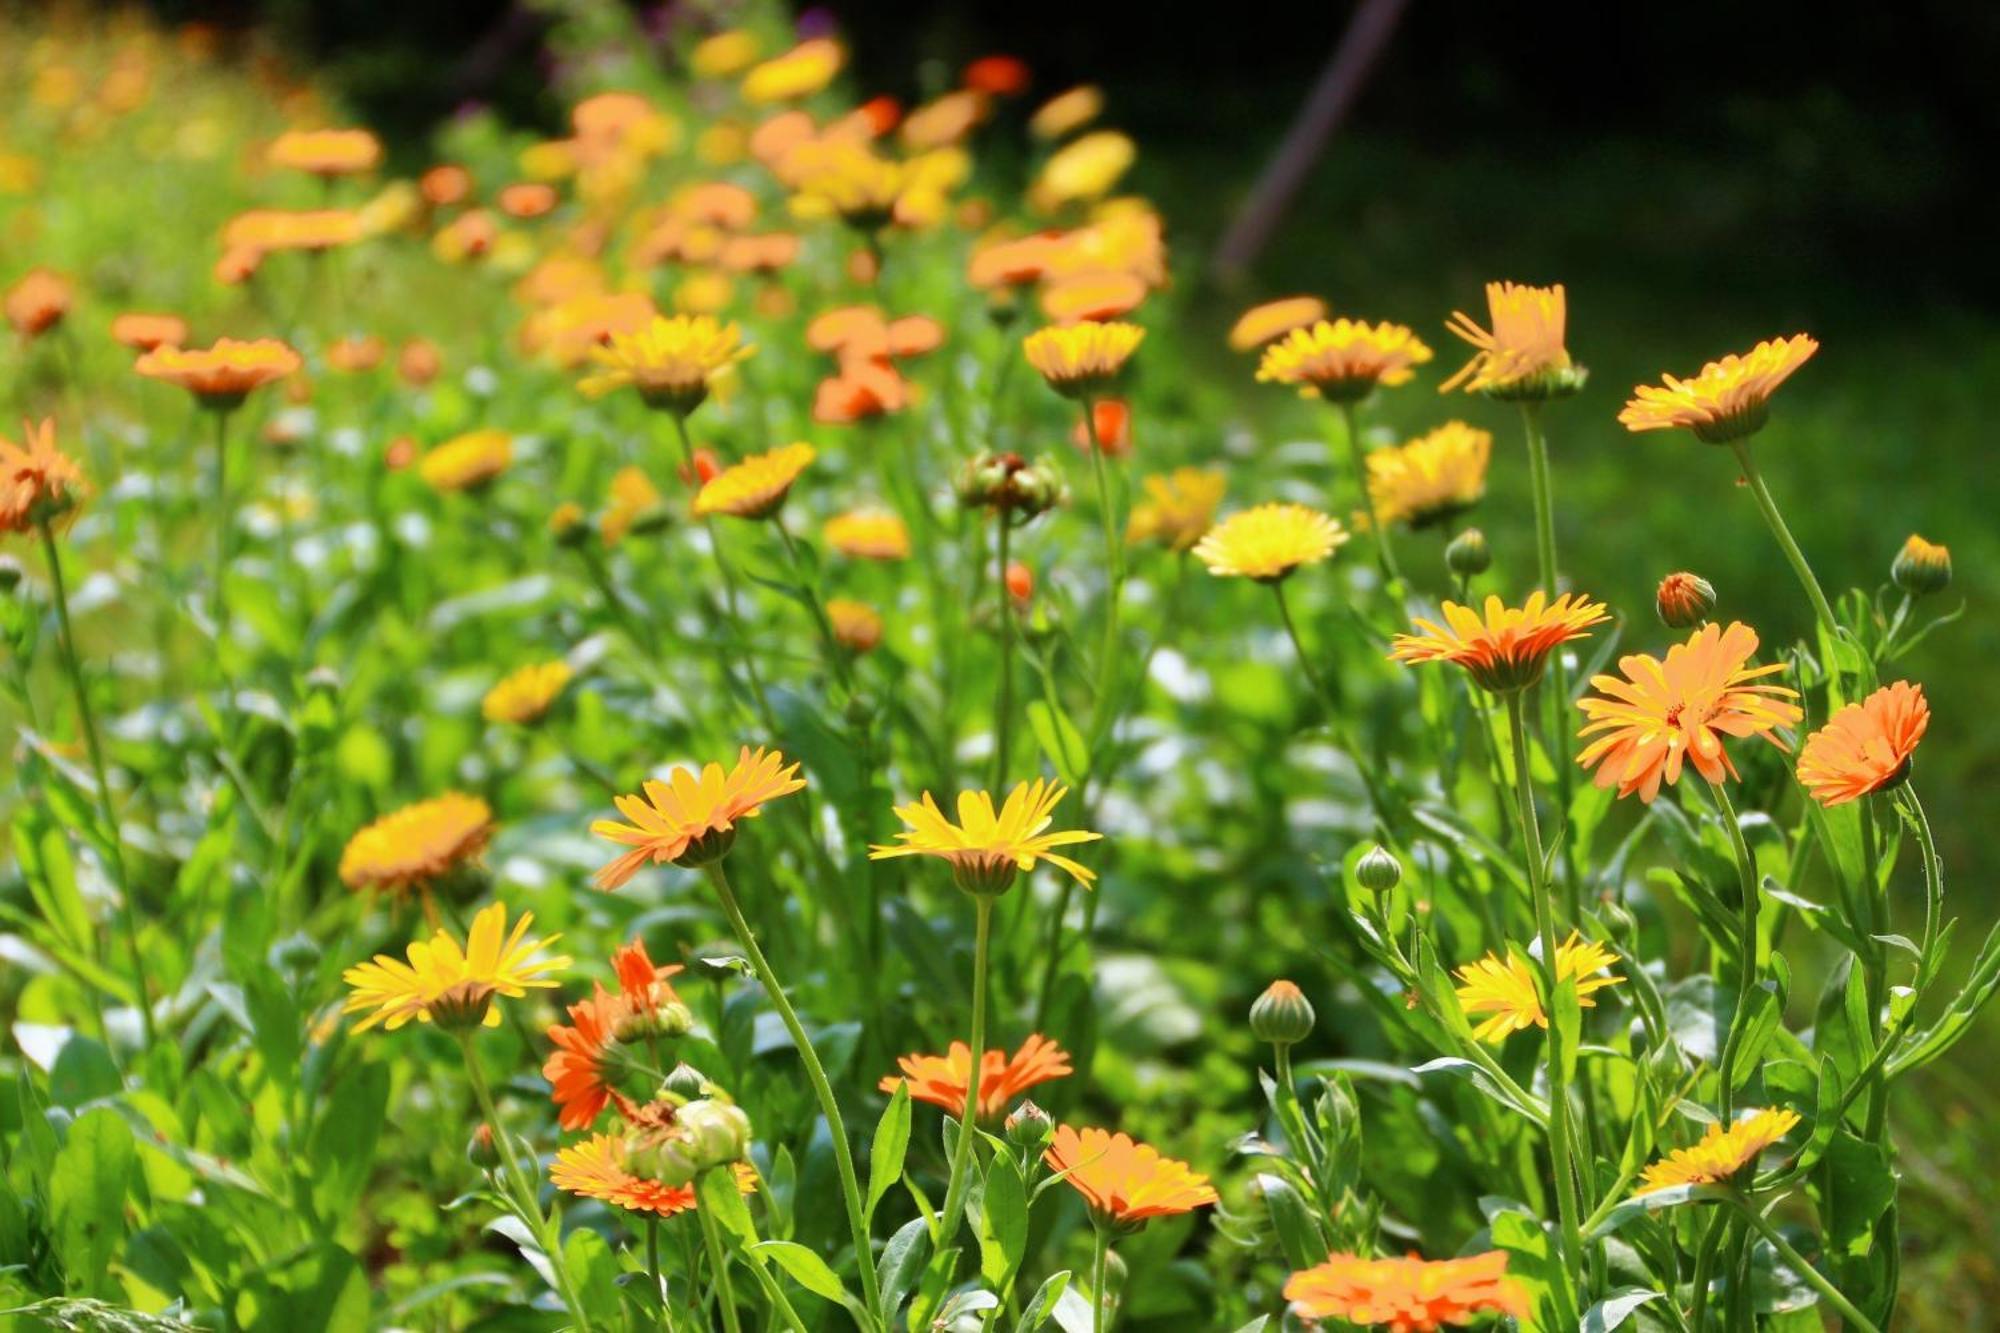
1522, 358
1272, 320
467, 462
673, 362
523, 696
690, 819
1344, 359
1722, 1152
1505, 987
1504, 649
1728, 400
418, 844
1432, 477
1177, 509
1269, 542
755, 487
450, 984
869, 534
985, 848
1081, 359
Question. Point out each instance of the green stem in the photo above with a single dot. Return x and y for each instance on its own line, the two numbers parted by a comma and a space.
1099, 1297
1556, 699
218, 605
1772, 519
1704, 1266
1003, 702
1875, 976
1749, 964
1114, 560
722, 566
1567, 1203
1933, 877
843, 1153
87, 721
718, 1264
1544, 496
968, 1120
1336, 716
1359, 458
653, 1257
836, 657
1828, 1292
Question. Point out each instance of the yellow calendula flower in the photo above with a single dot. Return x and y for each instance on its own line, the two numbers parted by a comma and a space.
673, 361
1178, 508
1067, 112
1505, 988
690, 818
1503, 648
326, 152
1722, 1152
525, 695
1728, 400
1084, 170
869, 534
1344, 359
848, 180
1269, 542
798, 73
857, 626
1079, 359
1522, 358
1431, 477
1264, 323
411, 847
724, 55
755, 487
450, 984
636, 505
986, 848
467, 462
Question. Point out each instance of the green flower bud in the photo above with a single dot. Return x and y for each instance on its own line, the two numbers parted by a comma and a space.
1921, 567
482, 1150
1282, 1015
1029, 1127
1468, 556
1379, 871
1684, 600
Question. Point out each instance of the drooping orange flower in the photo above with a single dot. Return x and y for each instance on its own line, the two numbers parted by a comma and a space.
1408, 1295
691, 818
1264, 323
1504, 649
941, 1079
1866, 747
1343, 359
1658, 715
326, 152
37, 303
755, 487
1722, 1152
1728, 400
1522, 358
38, 482
411, 847
143, 332
221, 376
1125, 1183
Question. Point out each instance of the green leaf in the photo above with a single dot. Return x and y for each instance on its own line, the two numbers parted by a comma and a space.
84, 1072
1060, 741
1616, 1308
1299, 1233
1758, 1026
902, 1262
805, 1268
889, 1147
593, 1271
342, 1145
1043, 1303
44, 857
1003, 1218
322, 1290
716, 1193
87, 1197
1860, 1187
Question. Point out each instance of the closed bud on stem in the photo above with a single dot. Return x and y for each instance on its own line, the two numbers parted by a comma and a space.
1467, 555
1282, 1015
684, 1083
1378, 871
1684, 600
1030, 1127
1921, 567
481, 1149
672, 1019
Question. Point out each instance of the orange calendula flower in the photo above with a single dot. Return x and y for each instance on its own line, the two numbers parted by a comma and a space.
857, 626
1067, 112
986, 848
37, 303
598, 1168
467, 462
863, 389
357, 354
1409, 1295
1431, 478
1264, 323
221, 376
1504, 649
1092, 296
1108, 422
39, 483
143, 332
418, 362
524, 696
450, 984
673, 362
1866, 747
1080, 359
1178, 508
1522, 358
1125, 1183
998, 75
527, 199
1505, 987
755, 487
1269, 542
411, 847
1344, 359
1722, 1152
445, 185
1658, 715
690, 819
868, 534
1728, 400
579, 1070
265, 230
942, 1080
326, 152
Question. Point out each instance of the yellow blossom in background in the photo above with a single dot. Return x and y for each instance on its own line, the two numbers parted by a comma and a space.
1505, 989
857, 626
985, 848
1067, 112
1722, 1152
946, 120
1344, 359
1728, 400
1261, 324
451, 985
869, 534
755, 487
1178, 508
142, 332
1078, 359
265, 230
724, 55
418, 844
467, 462
224, 374
1097, 296
1432, 477
326, 152
1083, 170
635, 504
1522, 358
1268, 542
673, 362
525, 695
849, 181
1504, 649
799, 73
691, 818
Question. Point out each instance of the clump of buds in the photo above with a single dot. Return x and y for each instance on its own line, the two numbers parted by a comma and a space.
705, 1134
1684, 600
1009, 483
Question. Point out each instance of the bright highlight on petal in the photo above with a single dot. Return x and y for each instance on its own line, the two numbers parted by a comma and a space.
1125, 1183
1506, 988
